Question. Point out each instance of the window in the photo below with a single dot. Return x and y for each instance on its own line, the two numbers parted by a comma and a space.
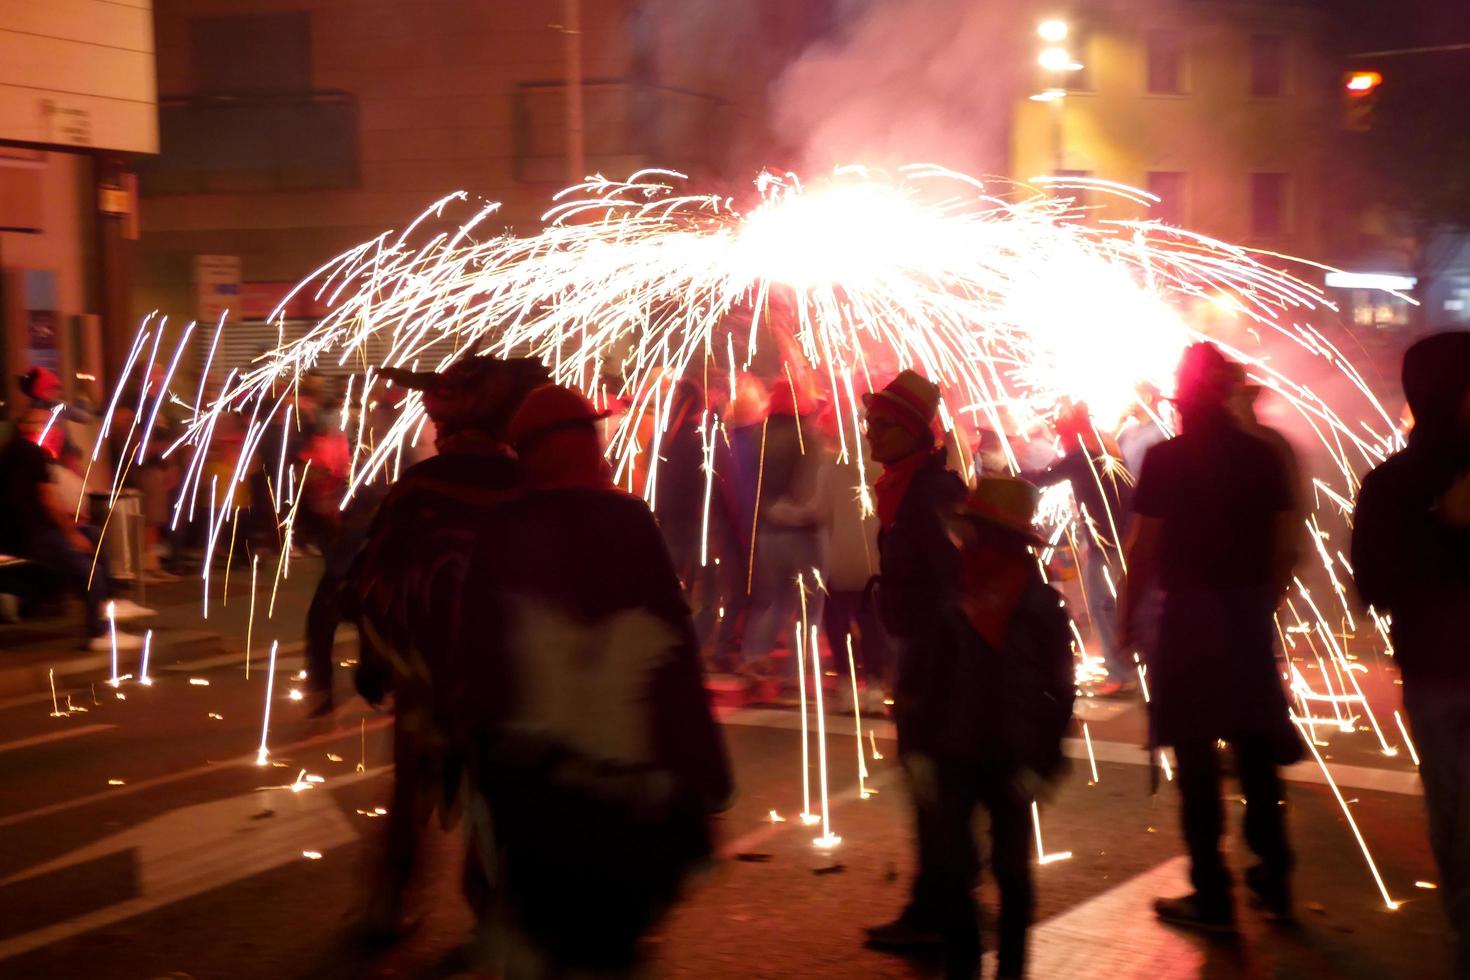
250, 54
1269, 205
1165, 53
1079, 46
1168, 186
1268, 66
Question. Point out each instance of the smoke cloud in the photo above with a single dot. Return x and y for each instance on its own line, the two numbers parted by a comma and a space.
904, 81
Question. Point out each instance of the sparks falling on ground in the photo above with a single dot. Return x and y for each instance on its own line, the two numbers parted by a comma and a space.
1012, 297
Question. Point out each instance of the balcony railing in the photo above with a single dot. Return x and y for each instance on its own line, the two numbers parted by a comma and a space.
236, 144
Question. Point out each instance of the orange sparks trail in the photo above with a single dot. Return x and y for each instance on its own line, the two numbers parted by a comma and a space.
1041, 856
143, 677
857, 722
807, 817
828, 839
265, 724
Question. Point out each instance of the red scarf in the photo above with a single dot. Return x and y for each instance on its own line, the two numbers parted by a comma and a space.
893, 485
994, 584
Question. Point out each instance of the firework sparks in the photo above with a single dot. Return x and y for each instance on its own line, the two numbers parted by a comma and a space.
857, 721
989, 288
56, 711
143, 677
1041, 856
265, 725
828, 839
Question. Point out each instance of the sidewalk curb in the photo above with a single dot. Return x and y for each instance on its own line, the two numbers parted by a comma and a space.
168, 647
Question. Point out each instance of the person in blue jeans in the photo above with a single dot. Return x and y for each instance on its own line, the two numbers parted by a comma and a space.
1101, 491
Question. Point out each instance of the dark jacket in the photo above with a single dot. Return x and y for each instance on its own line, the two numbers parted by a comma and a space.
404, 590
1005, 709
1097, 489
919, 576
592, 734
1406, 560
918, 562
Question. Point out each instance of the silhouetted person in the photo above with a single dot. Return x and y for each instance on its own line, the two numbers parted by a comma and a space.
406, 587
1214, 527
1411, 539
995, 712
918, 593
593, 746
787, 542
691, 506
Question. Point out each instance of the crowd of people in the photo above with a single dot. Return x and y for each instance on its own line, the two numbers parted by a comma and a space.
543, 639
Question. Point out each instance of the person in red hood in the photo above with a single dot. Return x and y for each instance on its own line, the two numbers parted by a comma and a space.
918, 594
595, 756
555, 435
997, 710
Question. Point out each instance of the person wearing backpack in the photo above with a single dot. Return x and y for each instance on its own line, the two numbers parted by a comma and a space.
999, 708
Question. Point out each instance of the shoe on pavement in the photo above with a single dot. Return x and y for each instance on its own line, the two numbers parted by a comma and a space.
903, 933
1272, 898
126, 643
1189, 912
124, 609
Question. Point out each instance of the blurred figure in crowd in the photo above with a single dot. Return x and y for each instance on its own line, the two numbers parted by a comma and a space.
38, 523
1141, 430
1214, 526
595, 756
788, 558
848, 547
1411, 533
692, 508
405, 592
1102, 495
737, 460
918, 596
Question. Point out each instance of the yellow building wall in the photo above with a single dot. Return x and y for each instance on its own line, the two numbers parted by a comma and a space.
1216, 132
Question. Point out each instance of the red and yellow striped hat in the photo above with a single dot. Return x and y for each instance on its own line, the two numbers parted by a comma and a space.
910, 399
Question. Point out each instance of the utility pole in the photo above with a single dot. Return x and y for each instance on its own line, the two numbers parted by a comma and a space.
576, 148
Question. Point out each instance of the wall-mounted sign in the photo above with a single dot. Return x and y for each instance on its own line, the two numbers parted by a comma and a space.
216, 287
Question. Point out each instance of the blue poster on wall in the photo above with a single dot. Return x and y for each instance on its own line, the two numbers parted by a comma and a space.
41, 319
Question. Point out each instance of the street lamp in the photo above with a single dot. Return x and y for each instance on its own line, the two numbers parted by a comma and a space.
1056, 62
1053, 31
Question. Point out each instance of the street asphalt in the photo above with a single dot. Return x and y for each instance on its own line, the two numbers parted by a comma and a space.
141, 839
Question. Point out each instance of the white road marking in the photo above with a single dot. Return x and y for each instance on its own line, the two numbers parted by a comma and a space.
199, 848
56, 736
174, 777
1116, 935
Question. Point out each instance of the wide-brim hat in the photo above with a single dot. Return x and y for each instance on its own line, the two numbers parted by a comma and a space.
910, 398
1005, 502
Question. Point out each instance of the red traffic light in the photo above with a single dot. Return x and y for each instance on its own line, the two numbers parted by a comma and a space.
1360, 83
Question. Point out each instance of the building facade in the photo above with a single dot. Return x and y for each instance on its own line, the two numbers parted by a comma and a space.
1227, 111
293, 130
77, 105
